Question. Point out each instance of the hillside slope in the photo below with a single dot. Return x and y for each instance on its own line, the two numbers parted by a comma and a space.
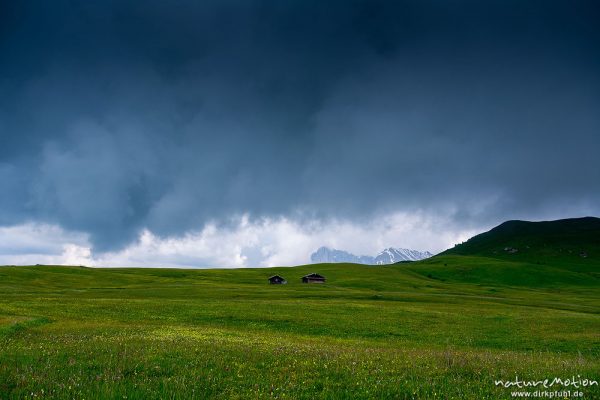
551, 254
571, 240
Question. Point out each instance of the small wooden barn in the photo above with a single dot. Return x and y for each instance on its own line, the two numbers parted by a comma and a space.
313, 278
277, 280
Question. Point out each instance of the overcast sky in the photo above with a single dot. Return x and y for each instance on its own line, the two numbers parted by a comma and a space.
249, 133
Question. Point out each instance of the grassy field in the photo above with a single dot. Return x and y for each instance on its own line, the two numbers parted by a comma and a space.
445, 328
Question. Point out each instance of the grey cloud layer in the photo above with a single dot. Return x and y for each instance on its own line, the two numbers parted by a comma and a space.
119, 115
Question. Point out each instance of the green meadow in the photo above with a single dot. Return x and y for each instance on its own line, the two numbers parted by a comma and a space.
443, 328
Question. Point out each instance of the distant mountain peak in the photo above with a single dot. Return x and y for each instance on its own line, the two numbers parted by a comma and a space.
330, 255
387, 256
393, 255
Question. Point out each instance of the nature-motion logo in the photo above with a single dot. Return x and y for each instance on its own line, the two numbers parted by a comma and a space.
548, 383
572, 382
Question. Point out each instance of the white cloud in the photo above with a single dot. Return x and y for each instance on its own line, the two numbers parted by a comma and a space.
32, 243
263, 243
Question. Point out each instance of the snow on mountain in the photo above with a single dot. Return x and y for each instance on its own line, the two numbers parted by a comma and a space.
327, 255
393, 255
388, 256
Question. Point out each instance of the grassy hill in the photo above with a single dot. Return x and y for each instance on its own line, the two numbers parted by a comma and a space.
552, 254
566, 240
442, 328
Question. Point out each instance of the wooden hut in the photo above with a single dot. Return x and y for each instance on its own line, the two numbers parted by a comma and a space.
313, 278
277, 280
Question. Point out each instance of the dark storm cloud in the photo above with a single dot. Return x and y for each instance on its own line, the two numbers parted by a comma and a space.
120, 115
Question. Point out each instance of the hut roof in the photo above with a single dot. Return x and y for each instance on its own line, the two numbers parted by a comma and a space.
313, 275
